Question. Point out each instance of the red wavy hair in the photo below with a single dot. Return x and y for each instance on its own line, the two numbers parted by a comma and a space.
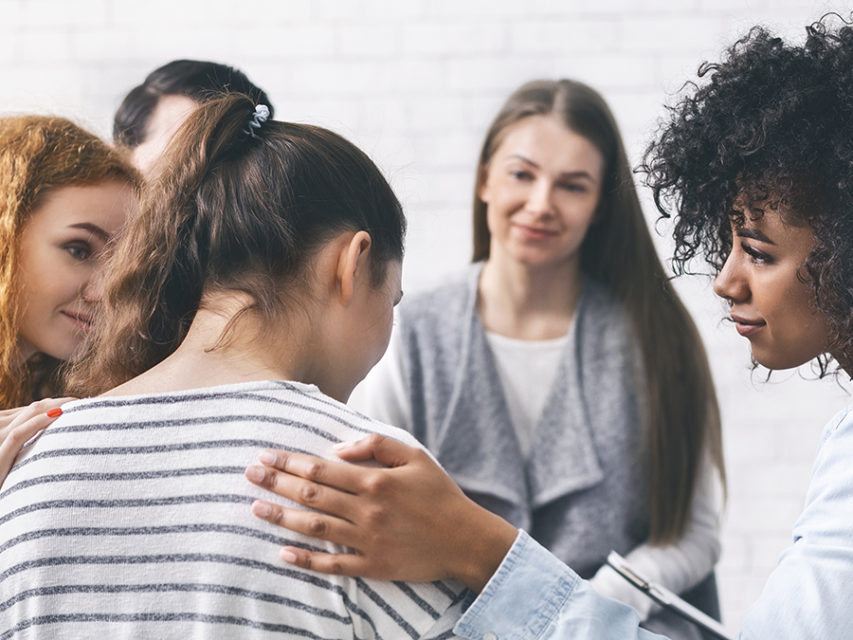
37, 154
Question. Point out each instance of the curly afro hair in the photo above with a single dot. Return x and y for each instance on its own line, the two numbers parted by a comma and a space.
771, 128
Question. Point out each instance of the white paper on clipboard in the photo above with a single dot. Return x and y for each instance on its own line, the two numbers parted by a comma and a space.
667, 598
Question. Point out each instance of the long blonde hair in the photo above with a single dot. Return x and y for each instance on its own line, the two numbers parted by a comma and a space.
37, 154
683, 417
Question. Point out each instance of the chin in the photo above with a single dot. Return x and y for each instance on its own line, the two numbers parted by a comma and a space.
775, 362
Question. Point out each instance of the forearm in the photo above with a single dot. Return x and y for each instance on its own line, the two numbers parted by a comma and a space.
484, 539
534, 596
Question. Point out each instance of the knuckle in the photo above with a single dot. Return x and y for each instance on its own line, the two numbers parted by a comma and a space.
314, 471
375, 438
317, 527
40, 406
308, 493
335, 567
271, 480
374, 515
375, 483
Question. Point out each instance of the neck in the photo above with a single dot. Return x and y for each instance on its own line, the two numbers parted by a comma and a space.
528, 303
25, 352
210, 356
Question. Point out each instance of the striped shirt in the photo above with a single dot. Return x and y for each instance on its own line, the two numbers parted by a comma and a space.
130, 517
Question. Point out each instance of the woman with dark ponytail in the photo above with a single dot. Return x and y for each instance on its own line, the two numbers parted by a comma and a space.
559, 379
252, 292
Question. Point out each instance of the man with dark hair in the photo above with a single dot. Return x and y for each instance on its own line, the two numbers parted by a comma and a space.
153, 111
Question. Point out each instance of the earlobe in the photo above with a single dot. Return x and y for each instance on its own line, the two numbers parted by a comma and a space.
353, 264
482, 191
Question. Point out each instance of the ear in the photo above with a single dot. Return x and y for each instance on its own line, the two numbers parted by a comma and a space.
483, 181
353, 264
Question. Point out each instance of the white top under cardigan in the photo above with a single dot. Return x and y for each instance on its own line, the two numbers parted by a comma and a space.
679, 566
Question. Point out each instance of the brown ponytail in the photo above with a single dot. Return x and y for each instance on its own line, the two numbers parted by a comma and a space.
234, 211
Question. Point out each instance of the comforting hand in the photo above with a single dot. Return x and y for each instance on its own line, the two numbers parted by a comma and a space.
408, 521
18, 425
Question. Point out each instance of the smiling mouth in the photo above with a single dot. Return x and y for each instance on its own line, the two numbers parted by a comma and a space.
81, 321
535, 232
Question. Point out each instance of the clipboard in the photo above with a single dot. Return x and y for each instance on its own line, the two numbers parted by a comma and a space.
667, 598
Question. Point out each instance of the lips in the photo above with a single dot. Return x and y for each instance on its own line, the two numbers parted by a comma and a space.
82, 321
747, 327
536, 233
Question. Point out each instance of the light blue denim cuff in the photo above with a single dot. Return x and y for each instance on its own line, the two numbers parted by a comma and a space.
523, 597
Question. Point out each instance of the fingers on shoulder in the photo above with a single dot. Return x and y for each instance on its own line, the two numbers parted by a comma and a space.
330, 563
20, 433
393, 453
309, 523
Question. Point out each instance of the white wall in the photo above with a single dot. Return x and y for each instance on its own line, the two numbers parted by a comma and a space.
415, 82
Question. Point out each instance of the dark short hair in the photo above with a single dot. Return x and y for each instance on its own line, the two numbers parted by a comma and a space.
197, 79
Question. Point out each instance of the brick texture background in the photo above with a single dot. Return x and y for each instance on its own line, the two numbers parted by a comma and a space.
415, 83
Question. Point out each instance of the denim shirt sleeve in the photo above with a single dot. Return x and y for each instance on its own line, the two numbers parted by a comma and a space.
808, 595
534, 596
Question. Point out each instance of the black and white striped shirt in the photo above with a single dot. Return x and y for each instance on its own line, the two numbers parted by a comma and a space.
130, 517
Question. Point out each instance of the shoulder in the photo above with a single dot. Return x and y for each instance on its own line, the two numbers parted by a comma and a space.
839, 427
834, 459
830, 491
351, 423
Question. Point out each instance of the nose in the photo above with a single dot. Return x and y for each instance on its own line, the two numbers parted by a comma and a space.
93, 290
540, 200
730, 283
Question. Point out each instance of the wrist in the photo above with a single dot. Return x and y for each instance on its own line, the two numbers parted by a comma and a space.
484, 539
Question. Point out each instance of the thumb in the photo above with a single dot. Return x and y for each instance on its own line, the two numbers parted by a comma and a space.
385, 450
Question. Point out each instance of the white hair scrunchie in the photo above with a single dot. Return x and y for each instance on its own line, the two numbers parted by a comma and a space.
262, 112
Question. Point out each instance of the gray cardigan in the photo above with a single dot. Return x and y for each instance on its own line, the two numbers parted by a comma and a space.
584, 490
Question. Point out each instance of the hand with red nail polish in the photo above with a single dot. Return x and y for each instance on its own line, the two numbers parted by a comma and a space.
18, 426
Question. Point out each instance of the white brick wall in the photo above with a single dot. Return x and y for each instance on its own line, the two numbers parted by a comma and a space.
415, 82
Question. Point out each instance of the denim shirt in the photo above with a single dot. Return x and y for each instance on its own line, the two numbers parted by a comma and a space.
534, 596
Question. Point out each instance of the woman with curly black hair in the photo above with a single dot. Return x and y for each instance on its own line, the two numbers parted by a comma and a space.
756, 168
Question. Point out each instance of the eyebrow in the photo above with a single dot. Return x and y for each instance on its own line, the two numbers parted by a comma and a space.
91, 228
754, 234
567, 174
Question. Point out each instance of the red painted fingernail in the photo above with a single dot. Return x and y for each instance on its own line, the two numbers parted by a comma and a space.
54, 413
